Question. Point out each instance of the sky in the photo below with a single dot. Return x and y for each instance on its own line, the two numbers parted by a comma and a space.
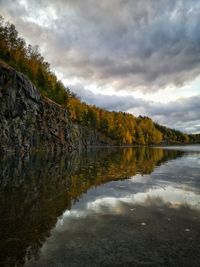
141, 57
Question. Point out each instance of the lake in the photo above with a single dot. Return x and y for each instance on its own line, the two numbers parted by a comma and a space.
102, 207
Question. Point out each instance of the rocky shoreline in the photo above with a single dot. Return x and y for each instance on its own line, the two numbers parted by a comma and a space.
29, 121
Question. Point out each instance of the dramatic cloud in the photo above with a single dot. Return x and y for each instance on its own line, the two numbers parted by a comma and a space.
124, 44
144, 46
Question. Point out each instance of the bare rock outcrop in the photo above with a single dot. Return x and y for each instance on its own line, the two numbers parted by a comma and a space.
29, 121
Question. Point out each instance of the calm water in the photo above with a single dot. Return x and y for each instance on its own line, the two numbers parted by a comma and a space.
107, 207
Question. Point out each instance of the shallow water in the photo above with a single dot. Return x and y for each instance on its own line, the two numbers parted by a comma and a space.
104, 207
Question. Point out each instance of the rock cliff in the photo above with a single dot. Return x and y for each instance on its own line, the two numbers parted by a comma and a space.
29, 121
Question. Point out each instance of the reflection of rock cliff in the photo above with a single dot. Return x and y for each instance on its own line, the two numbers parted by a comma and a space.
29, 121
35, 191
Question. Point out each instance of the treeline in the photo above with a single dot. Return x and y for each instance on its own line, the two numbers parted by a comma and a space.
119, 126
194, 138
122, 127
172, 136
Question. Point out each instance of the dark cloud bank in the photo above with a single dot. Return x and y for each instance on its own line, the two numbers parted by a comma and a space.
143, 45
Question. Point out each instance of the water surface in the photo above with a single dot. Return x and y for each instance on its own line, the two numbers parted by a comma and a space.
104, 207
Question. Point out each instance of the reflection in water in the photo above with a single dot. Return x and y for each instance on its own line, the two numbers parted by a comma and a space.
46, 214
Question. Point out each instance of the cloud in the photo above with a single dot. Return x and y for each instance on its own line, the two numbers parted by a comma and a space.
110, 102
145, 45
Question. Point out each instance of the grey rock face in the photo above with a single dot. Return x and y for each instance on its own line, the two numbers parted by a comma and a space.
29, 121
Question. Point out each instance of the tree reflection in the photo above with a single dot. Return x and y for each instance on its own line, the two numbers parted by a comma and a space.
35, 190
